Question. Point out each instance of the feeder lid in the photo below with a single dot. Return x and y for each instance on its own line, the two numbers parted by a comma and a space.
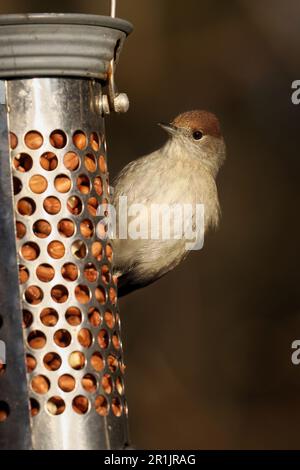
60, 44
66, 18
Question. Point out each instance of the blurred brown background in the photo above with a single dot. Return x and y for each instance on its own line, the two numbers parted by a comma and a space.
208, 347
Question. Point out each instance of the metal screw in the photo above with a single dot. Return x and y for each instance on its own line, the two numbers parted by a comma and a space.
120, 104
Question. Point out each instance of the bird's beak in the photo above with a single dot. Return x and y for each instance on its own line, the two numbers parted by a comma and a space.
169, 128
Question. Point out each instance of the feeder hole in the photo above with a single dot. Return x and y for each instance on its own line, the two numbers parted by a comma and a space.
49, 317
41, 228
52, 361
73, 316
48, 161
33, 140
59, 294
56, 405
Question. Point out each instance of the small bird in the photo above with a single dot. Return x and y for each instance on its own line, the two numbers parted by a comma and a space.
182, 171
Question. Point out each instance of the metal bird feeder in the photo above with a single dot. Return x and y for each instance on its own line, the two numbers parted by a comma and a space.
62, 384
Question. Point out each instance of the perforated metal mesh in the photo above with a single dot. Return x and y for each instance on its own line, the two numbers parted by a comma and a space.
69, 301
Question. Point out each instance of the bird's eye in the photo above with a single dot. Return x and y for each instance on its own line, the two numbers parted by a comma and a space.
197, 135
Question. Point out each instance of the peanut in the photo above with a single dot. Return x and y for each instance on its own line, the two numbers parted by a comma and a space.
85, 337
100, 295
98, 185
38, 184
103, 339
13, 140
90, 273
56, 406
48, 161
112, 363
27, 319
62, 338
52, 361
59, 294
30, 251
40, 384
76, 360
106, 383
79, 140
97, 362
3, 415
73, 316
86, 228
74, 205
58, 139
116, 407
34, 408
33, 140
52, 205
23, 162
116, 341
26, 206
82, 294
45, 272
23, 274
49, 317
92, 206
66, 227
66, 383
102, 164
71, 161
83, 184
89, 383
119, 386
30, 363
112, 295
94, 141
94, 317
80, 404
101, 405
105, 274
37, 342
90, 163
56, 249
109, 319
41, 228
33, 295
97, 250
69, 272
62, 183
109, 252
20, 230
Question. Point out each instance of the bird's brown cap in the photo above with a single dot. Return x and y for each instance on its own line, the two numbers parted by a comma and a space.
206, 122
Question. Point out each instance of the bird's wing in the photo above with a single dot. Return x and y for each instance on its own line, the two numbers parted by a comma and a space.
132, 181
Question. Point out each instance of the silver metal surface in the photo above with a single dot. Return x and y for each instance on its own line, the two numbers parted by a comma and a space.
118, 102
68, 105
113, 6
67, 18
113, 101
59, 44
15, 432
121, 103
